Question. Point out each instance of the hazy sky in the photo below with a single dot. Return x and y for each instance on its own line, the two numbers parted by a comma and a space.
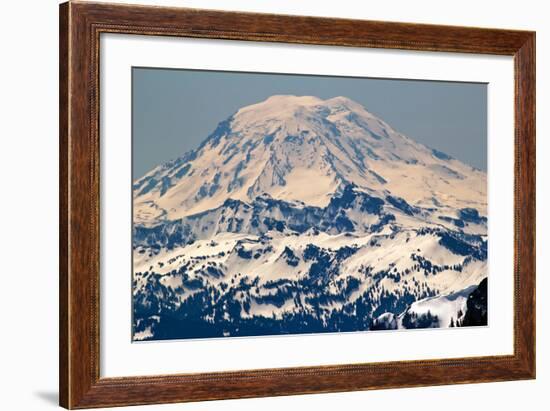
174, 110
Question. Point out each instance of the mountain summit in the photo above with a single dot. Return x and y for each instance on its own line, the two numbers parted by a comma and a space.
305, 149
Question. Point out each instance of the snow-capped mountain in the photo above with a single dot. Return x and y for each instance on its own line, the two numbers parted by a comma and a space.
305, 215
282, 145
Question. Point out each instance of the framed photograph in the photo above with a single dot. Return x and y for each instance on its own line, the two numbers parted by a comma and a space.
258, 205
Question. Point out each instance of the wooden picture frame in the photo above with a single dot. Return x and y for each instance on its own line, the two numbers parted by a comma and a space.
80, 27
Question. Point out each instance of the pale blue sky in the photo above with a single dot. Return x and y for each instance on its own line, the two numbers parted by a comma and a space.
174, 110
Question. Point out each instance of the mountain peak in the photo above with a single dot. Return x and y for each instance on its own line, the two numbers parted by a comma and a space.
293, 99
290, 101
342, 101
280, 101
303, 148
294, 111
277, 106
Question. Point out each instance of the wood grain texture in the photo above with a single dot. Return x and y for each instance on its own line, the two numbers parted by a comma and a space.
63, 204
525, 201
80, 27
